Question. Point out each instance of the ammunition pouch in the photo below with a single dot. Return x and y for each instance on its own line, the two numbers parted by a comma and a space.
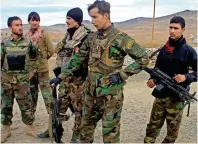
66, 52
16, 62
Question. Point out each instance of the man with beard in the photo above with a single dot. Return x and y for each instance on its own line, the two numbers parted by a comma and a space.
70, 91
105, 51
174, 59
16, 52
45, 47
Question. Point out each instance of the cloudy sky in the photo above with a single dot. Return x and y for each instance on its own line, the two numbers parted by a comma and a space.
54, 11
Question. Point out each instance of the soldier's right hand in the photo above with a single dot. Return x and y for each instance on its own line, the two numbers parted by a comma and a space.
55, 81
150, 83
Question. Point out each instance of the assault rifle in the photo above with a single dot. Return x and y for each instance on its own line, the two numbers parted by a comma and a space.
57, 130
163, 80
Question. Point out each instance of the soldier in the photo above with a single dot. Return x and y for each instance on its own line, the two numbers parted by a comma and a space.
174, 59
45, 47
71, 92
105, 51
16, 52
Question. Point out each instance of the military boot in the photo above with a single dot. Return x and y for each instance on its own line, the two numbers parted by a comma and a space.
44, 134
30, 130
75, 137
6, 133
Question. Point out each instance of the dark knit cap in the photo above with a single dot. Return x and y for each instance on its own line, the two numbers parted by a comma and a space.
76, 14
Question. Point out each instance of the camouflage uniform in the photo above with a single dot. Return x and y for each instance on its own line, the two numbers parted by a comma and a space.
164, 108
105, 54
42, 78
15, 60
71, 91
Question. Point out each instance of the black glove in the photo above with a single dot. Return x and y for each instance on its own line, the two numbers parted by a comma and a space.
55, 81
115, 78
57, 71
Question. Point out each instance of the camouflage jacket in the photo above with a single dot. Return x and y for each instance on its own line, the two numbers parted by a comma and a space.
46, 50
69, 46
105, 55
16, 55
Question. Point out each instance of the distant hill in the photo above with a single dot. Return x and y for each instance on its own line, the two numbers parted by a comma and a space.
139, 28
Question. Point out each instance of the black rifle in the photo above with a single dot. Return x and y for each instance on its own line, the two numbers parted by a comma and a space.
57, 130
163, 80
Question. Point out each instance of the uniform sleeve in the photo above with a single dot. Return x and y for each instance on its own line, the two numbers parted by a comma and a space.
192, 62
136, 52
60, 45
49, 45
78, 59
2, 54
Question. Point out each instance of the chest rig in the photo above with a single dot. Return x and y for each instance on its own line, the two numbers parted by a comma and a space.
70, 47
16, 55
99, 58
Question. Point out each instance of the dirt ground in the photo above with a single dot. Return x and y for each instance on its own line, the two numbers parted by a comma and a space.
135, 116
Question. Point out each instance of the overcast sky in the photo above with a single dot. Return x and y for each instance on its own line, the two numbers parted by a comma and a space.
54, 11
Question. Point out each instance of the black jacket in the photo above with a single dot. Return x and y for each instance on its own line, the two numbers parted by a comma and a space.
178, 62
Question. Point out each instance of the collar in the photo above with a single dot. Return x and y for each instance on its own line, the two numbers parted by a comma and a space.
105, 32
177, 43
12, 39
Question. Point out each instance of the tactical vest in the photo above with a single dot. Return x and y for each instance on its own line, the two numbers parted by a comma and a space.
101, 60
105, 57
70, 47
16, 55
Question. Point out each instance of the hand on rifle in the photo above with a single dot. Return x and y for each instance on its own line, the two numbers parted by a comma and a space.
179, 78
150, 83
55, 81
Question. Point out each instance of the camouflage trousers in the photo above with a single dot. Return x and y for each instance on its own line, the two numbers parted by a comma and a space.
42, 80
71, 93
16, 86
164, 109
108, 108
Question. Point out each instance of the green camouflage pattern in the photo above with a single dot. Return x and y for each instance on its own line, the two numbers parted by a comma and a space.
108, 108
70, 43
105, 55
41, 80
70, 91
16, 84
164, 109
9, 46
105, 65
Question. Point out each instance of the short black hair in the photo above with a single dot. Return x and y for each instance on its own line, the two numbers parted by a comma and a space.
178, 19
103, 6
11, 19
34, 16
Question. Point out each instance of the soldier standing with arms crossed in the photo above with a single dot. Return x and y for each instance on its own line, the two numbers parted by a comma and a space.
45, 47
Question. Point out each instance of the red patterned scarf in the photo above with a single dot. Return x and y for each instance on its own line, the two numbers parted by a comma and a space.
168, 48
35, 36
